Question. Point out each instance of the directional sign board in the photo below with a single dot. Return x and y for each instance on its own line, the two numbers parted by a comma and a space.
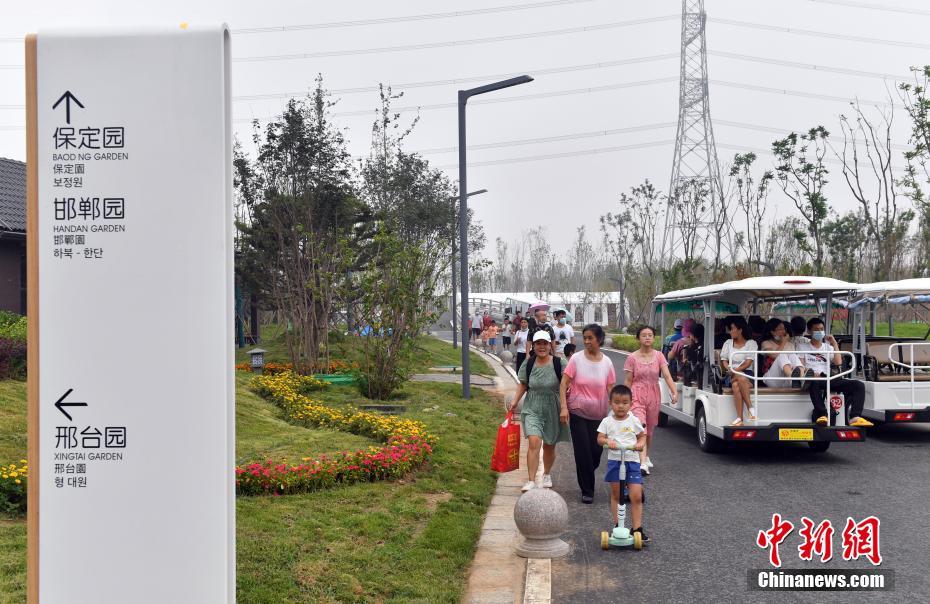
131, 492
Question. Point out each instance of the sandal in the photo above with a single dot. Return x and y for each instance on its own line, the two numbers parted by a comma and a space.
737, 422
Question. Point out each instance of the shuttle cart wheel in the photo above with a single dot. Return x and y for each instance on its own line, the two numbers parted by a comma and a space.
708, 442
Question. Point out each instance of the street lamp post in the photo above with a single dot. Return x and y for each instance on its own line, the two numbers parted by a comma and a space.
464, 95
455, 329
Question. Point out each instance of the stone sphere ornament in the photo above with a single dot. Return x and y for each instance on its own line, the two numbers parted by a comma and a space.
608, 342
507, 357
541, 515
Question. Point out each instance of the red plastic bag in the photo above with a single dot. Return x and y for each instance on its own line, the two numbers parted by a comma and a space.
506, 456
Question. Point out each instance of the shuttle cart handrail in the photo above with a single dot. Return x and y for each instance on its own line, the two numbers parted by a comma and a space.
744, 356
910, 367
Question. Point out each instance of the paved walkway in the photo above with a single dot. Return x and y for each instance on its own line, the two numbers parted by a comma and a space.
497, 574
456, 378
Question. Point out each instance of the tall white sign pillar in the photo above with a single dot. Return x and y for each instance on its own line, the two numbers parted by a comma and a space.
131, 398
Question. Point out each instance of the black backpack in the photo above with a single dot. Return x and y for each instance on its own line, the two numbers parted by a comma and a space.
556, 364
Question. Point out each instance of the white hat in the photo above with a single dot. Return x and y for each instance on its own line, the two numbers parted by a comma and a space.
542, 334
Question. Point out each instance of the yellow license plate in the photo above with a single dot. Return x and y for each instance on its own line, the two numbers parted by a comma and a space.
796, 434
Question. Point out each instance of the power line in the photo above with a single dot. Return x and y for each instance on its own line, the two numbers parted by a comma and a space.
817, 34
384, 20
551, 139
795, 65
616, 149
799, 93
507, 99
406, 18
879, 7
468, 42
529, 158
452, 82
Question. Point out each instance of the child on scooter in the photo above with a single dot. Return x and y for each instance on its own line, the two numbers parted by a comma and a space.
623, 435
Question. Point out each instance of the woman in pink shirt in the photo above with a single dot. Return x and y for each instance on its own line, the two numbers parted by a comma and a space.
585, 387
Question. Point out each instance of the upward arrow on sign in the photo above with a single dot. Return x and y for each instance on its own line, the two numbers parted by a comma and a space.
68, 98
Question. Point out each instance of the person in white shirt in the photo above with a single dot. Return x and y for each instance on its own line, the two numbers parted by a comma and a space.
818, 354
475, 326
733, 357
781, 366
798, 329
564, 334
519, 341
622, 434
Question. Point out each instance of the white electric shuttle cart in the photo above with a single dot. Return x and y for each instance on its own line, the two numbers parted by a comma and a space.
895, 370
782, 414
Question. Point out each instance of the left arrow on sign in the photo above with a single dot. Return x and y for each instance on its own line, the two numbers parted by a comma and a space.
68, 98
60, 403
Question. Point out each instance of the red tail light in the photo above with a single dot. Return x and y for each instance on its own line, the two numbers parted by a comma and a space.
849, 435
904, 417
744, 434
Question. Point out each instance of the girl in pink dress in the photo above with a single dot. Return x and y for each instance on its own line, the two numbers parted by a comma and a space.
642, 370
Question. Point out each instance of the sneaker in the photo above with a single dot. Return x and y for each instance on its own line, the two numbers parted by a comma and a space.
644, 468
649, 463
861, 422
587, 499
529, 484
547, 481
796, 373
822, 420
806, 385
641, 534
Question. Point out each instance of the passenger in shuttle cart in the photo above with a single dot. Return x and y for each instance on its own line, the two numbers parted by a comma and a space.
732, 358
819, 354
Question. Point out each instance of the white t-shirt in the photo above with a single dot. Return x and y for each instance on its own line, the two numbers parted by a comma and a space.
476, 322
798, 340
624, 432
817, 358
519, 339
563, 335
731, 353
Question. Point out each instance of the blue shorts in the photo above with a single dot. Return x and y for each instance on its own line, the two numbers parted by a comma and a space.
728, 380
634, 474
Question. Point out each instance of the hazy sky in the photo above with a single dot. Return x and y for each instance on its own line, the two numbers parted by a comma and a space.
577, 187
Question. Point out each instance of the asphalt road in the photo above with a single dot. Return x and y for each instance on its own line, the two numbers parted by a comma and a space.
704, 512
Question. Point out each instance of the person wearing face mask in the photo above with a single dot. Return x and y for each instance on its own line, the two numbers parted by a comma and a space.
564, 334
778, 367
819, 353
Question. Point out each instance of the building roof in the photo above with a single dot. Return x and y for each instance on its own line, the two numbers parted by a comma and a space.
12, 195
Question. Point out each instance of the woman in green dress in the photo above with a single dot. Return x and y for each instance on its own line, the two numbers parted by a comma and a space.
544, 418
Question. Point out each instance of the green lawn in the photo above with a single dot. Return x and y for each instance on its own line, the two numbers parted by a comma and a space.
12, 532
403, 541
431, 352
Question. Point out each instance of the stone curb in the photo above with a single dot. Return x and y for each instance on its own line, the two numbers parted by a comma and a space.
497, 575
495, 572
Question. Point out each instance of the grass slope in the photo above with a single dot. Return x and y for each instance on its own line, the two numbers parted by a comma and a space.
12, 532
405, 541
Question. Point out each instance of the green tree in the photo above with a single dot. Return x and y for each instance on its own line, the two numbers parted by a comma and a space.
867, 168
397, 301
802, 175
301, 226
917, 179
751, 196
